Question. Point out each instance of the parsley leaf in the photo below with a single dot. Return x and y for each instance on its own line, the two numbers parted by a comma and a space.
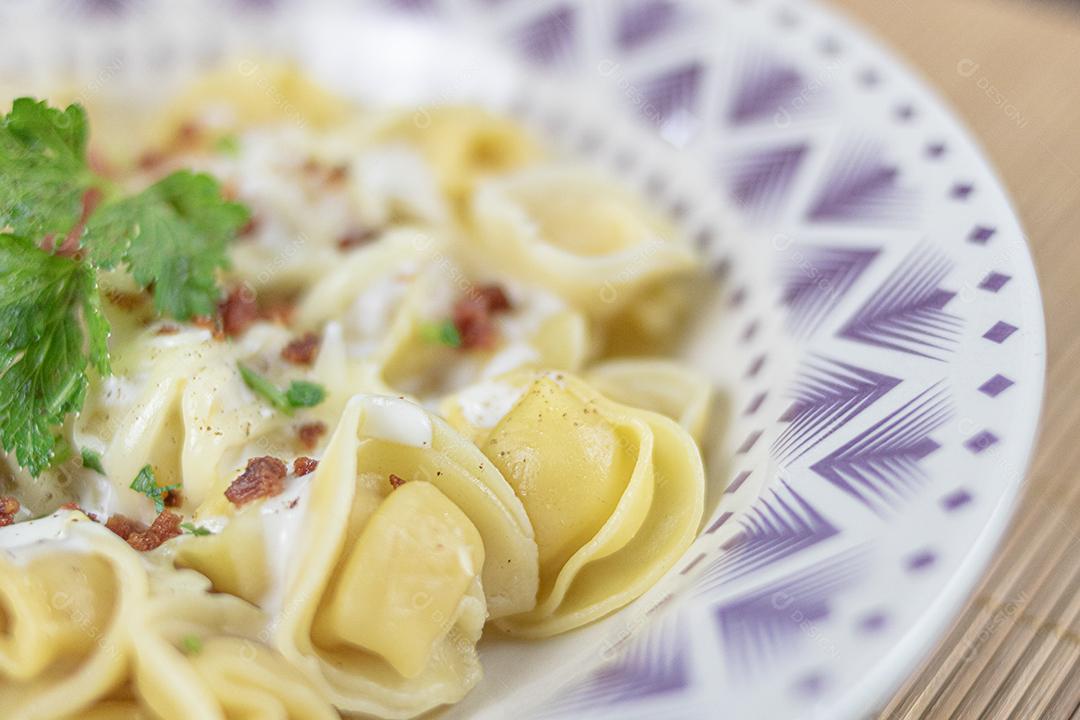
43, 164
192, 644
92, 460
300, 394
442, 333
227, 145
268, 390
173, 236
146, 483
51, 330
304, 394
197, 530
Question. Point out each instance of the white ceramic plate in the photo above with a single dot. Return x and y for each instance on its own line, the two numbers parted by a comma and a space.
877, 330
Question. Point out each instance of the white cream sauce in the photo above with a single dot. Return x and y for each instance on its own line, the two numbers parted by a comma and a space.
483, 405
395, 420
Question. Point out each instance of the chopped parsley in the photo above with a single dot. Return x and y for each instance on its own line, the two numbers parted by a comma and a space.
304, 394
92, 460
227, 145
191, 644
197, 530
299, 394
146, 483
60, 224
441, 333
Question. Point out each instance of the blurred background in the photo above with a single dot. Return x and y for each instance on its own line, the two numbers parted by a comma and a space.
1009, 68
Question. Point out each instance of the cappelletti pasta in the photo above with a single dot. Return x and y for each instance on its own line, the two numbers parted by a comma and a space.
401, 429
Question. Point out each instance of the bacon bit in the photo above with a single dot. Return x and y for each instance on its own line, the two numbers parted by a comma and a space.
472, 316
309, 434
494, 297
337, 175
173, 498
151, 160
168, 329
304, 465
248, 229
356, 238
124, 526
396, 481
311, 166
76, 506
263, 477
165, 526
302, 350
188, 133
8, 507
238, 311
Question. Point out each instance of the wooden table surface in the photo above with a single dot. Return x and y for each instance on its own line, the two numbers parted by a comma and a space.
1014, 652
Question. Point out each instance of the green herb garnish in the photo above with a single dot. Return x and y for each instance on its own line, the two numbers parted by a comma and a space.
227, 145
146, 483
299, 394
197, 530
304, 394
92, 460
442, 333
61, 223
192, 644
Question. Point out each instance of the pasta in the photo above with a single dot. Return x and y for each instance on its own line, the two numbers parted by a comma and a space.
614, 493
402, 428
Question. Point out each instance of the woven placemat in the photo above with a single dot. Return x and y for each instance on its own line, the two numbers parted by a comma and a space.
1014, 652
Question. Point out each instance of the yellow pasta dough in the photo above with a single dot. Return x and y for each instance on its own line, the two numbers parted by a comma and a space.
614, 493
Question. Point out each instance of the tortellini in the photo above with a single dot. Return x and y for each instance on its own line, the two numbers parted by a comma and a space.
485, 433
614, 494
176, 402
580, 235
464, 145
384, 604
67, 589
90, 630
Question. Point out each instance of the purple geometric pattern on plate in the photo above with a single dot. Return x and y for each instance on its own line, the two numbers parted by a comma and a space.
549, 39
766, 88
1000, 332
981, 234
828, 395
880, 466
956, 500
983, 441
775, 528
655, 663
862, 187
907, 313
813, 287
642, 20
994, 282
669, 101
996, 385
758, 628
758, 181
